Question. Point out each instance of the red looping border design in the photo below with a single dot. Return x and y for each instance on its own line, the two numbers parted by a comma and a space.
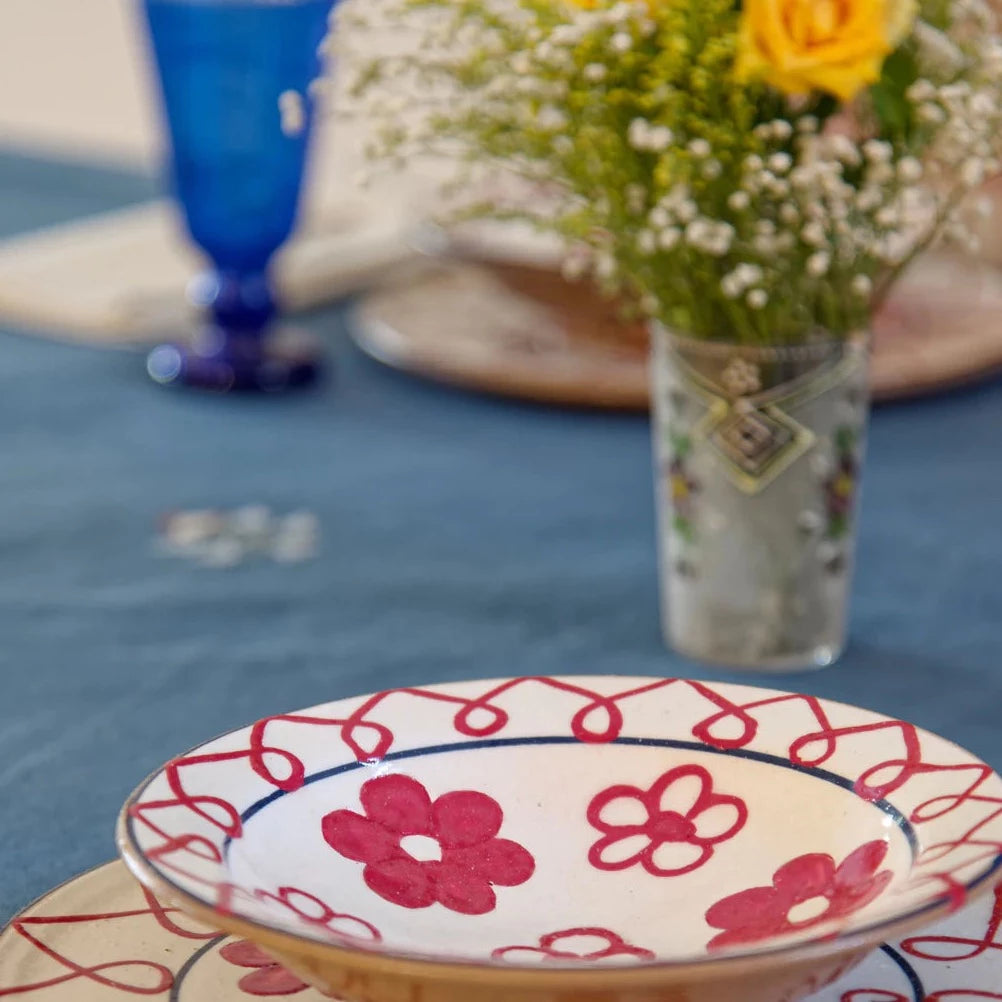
599, 720
96, 973
320, 914
548, 946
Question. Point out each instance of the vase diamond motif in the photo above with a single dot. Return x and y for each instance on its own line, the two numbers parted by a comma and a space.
758, 450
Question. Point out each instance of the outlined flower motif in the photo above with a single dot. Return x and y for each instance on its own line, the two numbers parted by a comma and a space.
840, 486
681, 488
417, 851
587, 944
669, 829
805, 892
267, 977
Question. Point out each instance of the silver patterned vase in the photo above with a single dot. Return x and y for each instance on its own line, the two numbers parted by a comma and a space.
758, 453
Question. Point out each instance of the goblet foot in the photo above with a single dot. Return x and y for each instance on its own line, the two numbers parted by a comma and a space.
284, 361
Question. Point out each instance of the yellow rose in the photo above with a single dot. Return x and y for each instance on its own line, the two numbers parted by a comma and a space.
837, 46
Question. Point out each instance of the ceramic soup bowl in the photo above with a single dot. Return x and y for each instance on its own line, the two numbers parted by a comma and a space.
587, 839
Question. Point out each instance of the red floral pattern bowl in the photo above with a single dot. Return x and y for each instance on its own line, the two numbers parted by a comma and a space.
559, 838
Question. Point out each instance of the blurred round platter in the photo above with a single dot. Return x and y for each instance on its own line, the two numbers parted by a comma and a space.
500, 324
100, 938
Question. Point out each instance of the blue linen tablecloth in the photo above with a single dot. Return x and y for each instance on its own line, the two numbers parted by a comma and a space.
463, 537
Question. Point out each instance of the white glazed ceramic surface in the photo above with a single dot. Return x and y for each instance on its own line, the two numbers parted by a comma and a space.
604, 820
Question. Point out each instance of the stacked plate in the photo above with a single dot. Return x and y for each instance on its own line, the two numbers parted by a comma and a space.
594, 839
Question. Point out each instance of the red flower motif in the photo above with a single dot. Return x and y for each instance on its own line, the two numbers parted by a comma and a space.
672, 827
462, 825
268, 976
763, 912
605, 945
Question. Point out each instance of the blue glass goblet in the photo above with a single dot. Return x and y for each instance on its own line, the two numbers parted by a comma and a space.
235, 78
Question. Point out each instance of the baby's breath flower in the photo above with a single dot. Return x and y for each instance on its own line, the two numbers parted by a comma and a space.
637, 133
983, 104
729, 287
739, 200
909, 170
757, 299
696, 232
921, 90
781, 130
886, 216
802, 177
743, 277
972, 172
845, 149
565, 34
659, 138
818, 264
659, 217
862, 285
780, 163
686, 210
931, 114
605, 266
621, 42
699, 147
551, 119
879, 173
669, 237
620, 13
644, 136
813, 234
869, 199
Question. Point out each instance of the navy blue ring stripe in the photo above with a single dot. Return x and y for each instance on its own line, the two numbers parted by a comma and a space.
179, 978
695, 746
914, 981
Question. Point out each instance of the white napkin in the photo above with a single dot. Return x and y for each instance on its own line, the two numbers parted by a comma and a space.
120, 277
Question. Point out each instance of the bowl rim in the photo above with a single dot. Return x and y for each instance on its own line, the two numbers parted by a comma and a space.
403, 963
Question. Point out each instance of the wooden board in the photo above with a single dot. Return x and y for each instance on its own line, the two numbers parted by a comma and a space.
521, 330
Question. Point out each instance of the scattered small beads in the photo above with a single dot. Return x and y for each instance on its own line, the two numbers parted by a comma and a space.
220, 539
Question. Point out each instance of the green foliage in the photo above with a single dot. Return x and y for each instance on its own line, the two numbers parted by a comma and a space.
890, 96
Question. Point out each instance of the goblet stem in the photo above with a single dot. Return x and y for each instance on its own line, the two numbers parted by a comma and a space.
235, 349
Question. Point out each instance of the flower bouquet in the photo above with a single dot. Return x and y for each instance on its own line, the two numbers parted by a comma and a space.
750, 176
